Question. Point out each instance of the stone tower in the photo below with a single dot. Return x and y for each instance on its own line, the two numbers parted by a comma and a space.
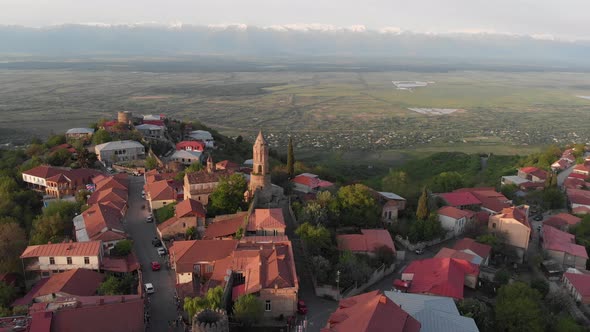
260, 176
210, 165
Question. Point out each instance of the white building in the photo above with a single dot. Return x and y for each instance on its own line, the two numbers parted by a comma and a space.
151, 131
80, 133
202, 135
187, 157
118, 151
453, 219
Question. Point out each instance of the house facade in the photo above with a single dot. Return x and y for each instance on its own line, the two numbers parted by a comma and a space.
84, 134
199, 185
119, 151
578, 285
454, 220
58, 181
562, 248
514, 224
150, 131
187, 157
310, 183
187, 214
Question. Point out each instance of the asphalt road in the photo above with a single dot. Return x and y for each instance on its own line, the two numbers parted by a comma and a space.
162, 308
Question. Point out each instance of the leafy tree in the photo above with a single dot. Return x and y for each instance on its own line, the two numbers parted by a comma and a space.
165, 212
447, 181
86, 159
290, 159
425, 230
122, 248
228, 196
317, 239
101, 136
422, 212
248, 309
385, 255
509, 190
541, 285
502, 277
314, 213
579, 150
321, 268
353, 270
35, 150
55, 223
479, 311
397, 182
211, 300
82, 196
59, 157
7, 294
194, 167
151, 162
357, 207
191, 233
553, 198
567, 324
113, 285
518, 308
13, 242
55, 140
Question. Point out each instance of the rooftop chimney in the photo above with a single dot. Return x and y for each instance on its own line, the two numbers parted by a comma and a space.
383, 299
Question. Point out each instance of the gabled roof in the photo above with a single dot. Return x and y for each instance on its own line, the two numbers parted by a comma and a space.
435, 313
80, 131
453, 212
223, 226
161, 191
562, 220
460, 199
203, 176
482, 250
488, 197
186, 154
81, 282
518, 213
453, 253
578, 196
582, 168
194, 145
580, 281
118, 145
581, 210
108, 194
266, 219
91, 248
226, 164
534, 171
120, 264
368, 241
440, 276
100, 217
189, 207
370, 312
311, 180
187, 253
554, 239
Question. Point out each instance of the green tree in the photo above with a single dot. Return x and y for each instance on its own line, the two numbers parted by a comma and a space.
397, 182
317, 239
422, 212
290, 159
357, 207
553, 198
321, 268
13, 242
191, 233
55, 223
122, 248
101, 136
113, 285
228, 196
248, 309
55, 140
353, 270
86, 159
518, 308
541, 285
385, 255
151, 162
7, 294
60, 157
502, 277
479, 311
194, 167
567, 324
447, 181
211, 300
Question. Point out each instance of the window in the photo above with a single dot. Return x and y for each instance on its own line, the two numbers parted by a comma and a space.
197, 268
209, 269
267, 305
86, 260
494, 225
183, 225
260, 172
52, 260
69, 259
45, 274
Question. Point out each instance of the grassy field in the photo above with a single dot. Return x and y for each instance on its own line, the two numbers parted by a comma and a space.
358, 116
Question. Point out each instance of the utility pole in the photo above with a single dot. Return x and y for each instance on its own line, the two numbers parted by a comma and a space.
338, 283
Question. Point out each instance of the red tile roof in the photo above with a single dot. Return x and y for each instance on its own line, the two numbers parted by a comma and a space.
100, 218
311, 180
370, 312
189, 207
161, 190
186, 253
554, 239
529, 169
488, 198
225, 226
578, 196
226, 164
581, 210
80, 282
266, 219
108, 194
78, 176
581, 282
582, 168
453, 212
120, 264
518, 213
440, 276
453, 253
562, 220
482, 250
194, 145
203, 176
460, 199
40, 322
369, 241
91, 248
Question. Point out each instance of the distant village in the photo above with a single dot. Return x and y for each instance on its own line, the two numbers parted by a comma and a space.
169, 239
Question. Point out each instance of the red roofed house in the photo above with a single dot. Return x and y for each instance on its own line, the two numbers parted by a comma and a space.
368, 242
310, 183
58, 181
514, 223
562, 221
491, 200
225, 226
79, 282
579, 200
266, 222
160, 193
193, 260
532, 174
452, 253
100, 222
190, 146
226, 165
441, 276
461, 200
578, 284
199, 185
562, 248
453, 219
391, 204
575, 183
370, 312
47, 259
582, 169
470, 246
188, 213
560, 165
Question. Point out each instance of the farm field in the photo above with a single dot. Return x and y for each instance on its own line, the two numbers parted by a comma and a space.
341, 111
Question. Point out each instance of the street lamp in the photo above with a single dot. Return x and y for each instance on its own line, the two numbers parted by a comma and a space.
338, 283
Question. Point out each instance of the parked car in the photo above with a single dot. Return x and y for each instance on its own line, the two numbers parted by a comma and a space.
301, 308
143, 195
162, 251
110, 170
149, 288
156, 242
149, 219
419, 251
156, 266
538, 217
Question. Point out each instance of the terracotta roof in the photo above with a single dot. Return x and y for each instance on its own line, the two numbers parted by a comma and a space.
101, 216
91, 248
77, 176
370, 312
518, 213
222, 227
369, 240
554, 239
80, 282
482, 250
203, 176
440, 276
453, 212
578, 196
187, 253
562, 220
44, 171
574, 183
311, 180
266, 219
581, 282
529, 169
453, 253
581, 210
460, 199
226, 164
108, 194
189, 206
40, 322
582, 168
105, 182
120, 264
487, 197
194, 145
160, 191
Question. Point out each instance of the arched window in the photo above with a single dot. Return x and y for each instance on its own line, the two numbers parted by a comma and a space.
259, 169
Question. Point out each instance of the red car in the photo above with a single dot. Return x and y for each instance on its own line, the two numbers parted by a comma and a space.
156, 266
301, 308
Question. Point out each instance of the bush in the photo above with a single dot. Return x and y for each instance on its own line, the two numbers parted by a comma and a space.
502, 277
321, 268
540, 285
122, 248
248, 310
164, 213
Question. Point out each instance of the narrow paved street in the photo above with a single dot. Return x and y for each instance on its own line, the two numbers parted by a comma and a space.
162, 308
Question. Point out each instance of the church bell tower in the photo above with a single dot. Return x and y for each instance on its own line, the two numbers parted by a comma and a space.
260, 176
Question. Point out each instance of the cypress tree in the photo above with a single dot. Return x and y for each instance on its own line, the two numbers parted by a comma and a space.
422, 211
553, 180
290, 159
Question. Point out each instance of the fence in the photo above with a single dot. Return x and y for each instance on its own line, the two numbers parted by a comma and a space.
413, 246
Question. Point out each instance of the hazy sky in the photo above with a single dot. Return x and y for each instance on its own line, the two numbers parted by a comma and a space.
564, 18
